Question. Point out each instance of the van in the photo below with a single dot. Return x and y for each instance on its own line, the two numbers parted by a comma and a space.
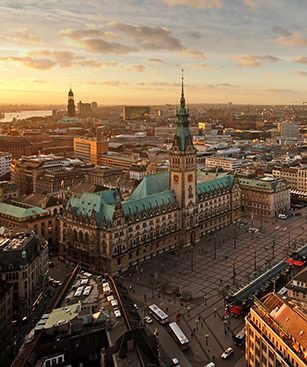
211, 364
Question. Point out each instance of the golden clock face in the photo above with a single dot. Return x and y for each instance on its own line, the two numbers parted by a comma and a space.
176, 178
190, 178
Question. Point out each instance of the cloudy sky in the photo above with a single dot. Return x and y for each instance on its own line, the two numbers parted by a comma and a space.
132, 51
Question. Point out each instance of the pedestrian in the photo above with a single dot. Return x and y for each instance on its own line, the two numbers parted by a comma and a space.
166, 309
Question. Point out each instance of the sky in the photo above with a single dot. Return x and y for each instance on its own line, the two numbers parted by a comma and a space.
132, 51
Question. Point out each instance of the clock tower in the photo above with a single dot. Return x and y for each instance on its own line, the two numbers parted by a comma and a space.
183, 159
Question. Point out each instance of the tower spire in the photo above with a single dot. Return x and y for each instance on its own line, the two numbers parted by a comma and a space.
182, 99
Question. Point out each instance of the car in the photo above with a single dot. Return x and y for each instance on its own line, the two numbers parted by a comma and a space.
175, 362
253, 230
148, 320
228, 352
136, 307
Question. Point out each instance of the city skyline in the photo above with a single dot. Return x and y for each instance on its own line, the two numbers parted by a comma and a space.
244, 51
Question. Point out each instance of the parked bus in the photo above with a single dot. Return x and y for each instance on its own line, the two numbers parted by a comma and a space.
179, 336
158, 314
239, 339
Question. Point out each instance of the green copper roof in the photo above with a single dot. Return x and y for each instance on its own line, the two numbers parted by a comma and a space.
215, 184
151, 184
267, 185
153, 191
149, 202
101, 204
21, 213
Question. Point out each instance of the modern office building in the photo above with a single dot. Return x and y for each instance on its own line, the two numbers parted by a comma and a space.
84, 108
5, 162
166, 210
226, 163
121, 161
276, 333
90, 149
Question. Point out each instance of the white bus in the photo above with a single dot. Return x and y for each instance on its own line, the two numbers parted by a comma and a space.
158, 314
179, 336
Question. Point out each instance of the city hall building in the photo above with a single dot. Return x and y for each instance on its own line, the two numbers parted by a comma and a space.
166, 210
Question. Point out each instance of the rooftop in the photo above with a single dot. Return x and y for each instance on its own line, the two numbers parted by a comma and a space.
285, 316
301, 276
85, 288
21, 213
61, 316
263, 183
217, 183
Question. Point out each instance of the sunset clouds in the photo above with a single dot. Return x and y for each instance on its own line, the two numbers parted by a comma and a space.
125, 50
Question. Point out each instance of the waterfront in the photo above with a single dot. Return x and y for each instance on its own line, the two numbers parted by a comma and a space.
21, 115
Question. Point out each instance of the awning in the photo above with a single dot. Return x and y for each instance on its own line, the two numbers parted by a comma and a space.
295, 262
236, 310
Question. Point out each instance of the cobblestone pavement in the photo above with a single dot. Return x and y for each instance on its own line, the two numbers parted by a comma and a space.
225, 260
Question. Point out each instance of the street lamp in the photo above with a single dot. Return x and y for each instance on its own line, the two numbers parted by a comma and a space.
234, 273
255, 260
289, 238
207, 337
192, 250
273, 249
234, 235
214, 252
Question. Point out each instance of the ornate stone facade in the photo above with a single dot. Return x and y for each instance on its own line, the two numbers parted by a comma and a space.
165, 211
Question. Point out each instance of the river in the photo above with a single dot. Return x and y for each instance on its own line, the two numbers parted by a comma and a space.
21, 115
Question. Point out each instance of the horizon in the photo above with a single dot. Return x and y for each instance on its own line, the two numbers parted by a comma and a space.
126, 53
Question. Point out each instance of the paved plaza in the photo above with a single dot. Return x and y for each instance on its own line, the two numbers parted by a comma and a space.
225, 260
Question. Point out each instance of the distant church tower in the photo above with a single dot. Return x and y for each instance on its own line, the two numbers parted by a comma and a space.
71, 109
183, 172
